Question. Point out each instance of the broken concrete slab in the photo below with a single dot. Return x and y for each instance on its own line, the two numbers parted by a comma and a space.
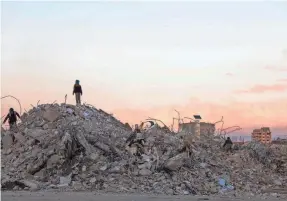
20, 138
175, 162
35, 133
145, 172
53, 160
32, 185
7, 141
51, 115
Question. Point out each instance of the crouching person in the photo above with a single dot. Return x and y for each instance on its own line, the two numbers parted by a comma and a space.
228, 145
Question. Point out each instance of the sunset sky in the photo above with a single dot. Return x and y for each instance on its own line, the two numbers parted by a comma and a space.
140, 59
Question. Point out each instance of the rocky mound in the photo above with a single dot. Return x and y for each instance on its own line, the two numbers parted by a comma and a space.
83, 148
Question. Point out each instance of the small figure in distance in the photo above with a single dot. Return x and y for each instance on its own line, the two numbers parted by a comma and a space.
228, 145
133, 135
78, 91
12, 116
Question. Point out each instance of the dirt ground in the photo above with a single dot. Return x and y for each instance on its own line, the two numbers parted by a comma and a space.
89, 196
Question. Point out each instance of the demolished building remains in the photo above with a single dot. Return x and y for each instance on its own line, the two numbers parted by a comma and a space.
205, 128
83, 148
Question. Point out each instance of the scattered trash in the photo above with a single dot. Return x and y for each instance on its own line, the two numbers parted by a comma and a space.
221, 182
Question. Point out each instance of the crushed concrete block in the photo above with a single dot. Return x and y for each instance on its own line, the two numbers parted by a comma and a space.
31, 142
103, 168
94, 156
51, 115
7, 141
277, 182
93, 180
65, 181
35, 133
32, 185
77, 186
19, 137
53, 160
175, 162
142, 166
50, 125
145, 172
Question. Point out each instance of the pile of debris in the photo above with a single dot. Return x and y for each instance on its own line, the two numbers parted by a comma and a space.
83, 148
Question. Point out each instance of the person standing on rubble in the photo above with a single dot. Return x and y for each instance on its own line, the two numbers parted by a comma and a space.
228, 145
136, 140
133, 136
12, 116
78, 91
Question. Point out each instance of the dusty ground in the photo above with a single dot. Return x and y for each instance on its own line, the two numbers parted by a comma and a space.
89, 196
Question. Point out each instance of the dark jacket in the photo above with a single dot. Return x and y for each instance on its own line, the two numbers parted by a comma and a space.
228, 141
77, 89
12, 117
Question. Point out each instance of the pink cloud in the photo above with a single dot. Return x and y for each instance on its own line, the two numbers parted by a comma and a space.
264, 88
229, 74
282, 80
273, 68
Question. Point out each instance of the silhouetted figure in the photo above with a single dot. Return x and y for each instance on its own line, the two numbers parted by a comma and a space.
133, 136
228, 144
11, 117
78, 91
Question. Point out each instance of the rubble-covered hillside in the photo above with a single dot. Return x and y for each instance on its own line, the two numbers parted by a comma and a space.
82, 148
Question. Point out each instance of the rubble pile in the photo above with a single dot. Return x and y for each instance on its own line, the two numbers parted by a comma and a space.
83, 148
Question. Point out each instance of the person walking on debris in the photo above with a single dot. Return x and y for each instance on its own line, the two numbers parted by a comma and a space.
12, 116
133, 136
135, 141
78, 91
228, 144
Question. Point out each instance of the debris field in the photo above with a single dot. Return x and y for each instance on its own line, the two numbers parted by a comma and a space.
82, 148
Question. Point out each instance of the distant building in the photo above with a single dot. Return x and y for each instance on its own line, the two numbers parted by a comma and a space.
205, 128
279, 141
241, 139
234, 138
262, 135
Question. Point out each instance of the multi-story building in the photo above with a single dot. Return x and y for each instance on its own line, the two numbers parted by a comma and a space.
262, 135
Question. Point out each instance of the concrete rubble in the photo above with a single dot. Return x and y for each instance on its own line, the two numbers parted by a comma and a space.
83, 148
